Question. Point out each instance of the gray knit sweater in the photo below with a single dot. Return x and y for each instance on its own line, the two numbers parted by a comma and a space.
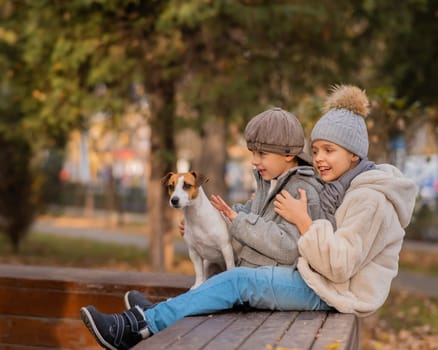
262, 237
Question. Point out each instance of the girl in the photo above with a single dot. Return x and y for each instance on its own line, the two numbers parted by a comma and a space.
351, 268
348, 269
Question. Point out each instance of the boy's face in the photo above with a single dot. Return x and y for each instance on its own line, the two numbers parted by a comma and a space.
332, 160
271, 165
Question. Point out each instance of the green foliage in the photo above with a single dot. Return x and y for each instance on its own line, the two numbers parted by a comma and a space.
230, 58
412, 52
65, 61
405, 48
245, 56
76, 59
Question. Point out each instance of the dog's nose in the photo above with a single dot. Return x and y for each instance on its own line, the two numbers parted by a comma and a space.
174, 201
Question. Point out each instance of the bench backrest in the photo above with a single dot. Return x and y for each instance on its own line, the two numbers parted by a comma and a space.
39, 306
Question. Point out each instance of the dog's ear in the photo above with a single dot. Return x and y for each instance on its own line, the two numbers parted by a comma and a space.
166, 178
200, 178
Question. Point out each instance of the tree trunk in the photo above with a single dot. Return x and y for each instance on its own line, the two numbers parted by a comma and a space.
214, 156
156, 217
162, 161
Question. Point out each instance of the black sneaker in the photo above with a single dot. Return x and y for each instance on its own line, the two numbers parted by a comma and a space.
116, 331
134, 297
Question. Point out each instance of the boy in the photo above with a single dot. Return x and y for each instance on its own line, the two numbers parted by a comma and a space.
261, 237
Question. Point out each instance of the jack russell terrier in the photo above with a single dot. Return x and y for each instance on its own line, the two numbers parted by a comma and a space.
205, 230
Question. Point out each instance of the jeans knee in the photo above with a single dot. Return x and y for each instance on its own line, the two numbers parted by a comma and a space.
240, 277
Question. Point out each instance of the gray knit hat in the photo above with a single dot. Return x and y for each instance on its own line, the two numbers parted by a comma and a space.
276, 131
344, 120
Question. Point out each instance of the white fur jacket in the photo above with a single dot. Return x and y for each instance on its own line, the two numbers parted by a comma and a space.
352, 268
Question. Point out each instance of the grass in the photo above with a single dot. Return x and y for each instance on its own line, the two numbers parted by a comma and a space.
406, 321
413, 311
419, 261
51, 250
46, 249
411, 266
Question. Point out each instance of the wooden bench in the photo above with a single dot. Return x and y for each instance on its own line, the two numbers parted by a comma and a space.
39, 310
264, 330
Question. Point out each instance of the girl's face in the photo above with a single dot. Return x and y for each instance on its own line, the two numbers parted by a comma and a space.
271, 165
331, 160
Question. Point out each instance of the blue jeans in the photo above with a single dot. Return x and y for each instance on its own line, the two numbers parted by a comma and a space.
267, 287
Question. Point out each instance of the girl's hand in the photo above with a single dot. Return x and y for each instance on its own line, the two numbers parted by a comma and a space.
223, 207
293, 210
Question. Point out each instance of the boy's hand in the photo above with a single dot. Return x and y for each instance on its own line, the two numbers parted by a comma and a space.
181, 227
293, 210
223, 207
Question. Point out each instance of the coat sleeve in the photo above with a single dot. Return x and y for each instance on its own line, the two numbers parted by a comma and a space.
246, 208
337, 255
277, 239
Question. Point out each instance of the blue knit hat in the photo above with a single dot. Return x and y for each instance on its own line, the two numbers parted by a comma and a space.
344, 120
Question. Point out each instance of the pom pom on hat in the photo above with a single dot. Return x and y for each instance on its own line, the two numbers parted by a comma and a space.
347, 97
344, 120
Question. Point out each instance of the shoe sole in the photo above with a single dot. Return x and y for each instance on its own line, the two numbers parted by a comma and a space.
88, 320
127, 304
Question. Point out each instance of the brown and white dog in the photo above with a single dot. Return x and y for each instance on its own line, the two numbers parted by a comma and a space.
205, 230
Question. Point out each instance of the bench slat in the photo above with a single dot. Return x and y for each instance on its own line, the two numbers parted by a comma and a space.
238, 330
201, 336
22, 347
271, 331
244, 325
63, 303
45, 332
162, 340
224, 339
340, 330
100, 281
304, 330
